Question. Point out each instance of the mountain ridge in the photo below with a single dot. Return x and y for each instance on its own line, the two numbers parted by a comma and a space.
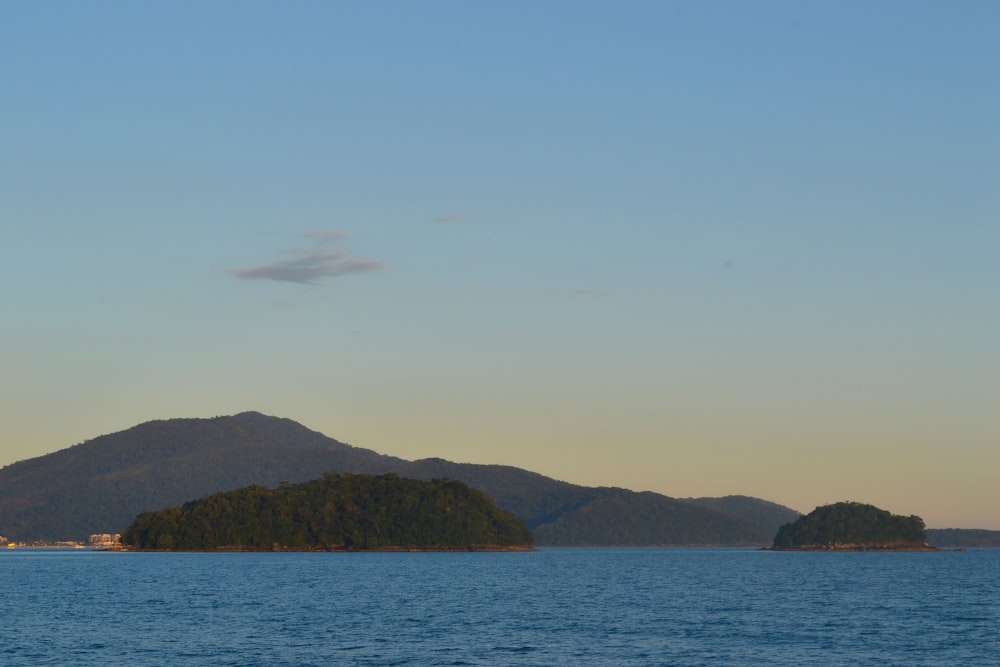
102, 484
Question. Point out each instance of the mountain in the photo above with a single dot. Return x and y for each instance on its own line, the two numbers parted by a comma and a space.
342, 512
102, 484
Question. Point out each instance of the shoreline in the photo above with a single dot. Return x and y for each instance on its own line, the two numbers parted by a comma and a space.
473, 548
859, 548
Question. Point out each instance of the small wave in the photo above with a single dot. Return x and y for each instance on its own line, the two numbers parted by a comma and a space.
515, 649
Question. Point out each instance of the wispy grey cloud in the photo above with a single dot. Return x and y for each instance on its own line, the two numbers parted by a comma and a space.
310, 265
455, 217
308, 269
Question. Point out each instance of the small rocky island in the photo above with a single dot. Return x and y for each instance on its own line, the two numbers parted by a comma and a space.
852, 526
338, 512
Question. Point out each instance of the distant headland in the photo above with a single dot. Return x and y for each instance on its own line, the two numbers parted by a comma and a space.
852, 526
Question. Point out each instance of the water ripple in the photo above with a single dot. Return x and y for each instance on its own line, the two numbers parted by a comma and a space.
556, 607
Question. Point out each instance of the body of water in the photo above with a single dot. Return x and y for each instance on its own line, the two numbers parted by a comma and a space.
636, 607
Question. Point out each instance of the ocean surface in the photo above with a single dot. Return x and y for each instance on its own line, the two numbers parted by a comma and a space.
551, 607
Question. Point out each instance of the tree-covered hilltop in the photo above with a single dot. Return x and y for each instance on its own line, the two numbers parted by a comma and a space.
851, 526
338, 511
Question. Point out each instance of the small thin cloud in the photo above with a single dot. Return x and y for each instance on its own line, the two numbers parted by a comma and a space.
454, 217
310, 265
308, 269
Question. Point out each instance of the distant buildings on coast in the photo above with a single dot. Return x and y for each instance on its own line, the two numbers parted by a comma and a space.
97, 541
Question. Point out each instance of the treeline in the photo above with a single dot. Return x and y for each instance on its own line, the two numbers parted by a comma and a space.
850, 525
335, 512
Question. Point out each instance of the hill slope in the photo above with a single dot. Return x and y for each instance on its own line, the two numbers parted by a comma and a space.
769, 516
102, 484
623, 517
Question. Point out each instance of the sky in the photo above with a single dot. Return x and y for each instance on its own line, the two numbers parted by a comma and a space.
698, 248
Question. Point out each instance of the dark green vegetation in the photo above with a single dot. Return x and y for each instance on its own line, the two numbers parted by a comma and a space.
851, 526
345, 512
101, 486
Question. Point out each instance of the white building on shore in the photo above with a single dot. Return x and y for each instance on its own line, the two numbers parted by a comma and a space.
105, 541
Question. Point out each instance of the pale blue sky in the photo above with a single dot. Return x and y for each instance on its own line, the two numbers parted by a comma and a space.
699, 248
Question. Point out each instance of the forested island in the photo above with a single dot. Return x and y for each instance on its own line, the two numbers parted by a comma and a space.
338, 512
852, 526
